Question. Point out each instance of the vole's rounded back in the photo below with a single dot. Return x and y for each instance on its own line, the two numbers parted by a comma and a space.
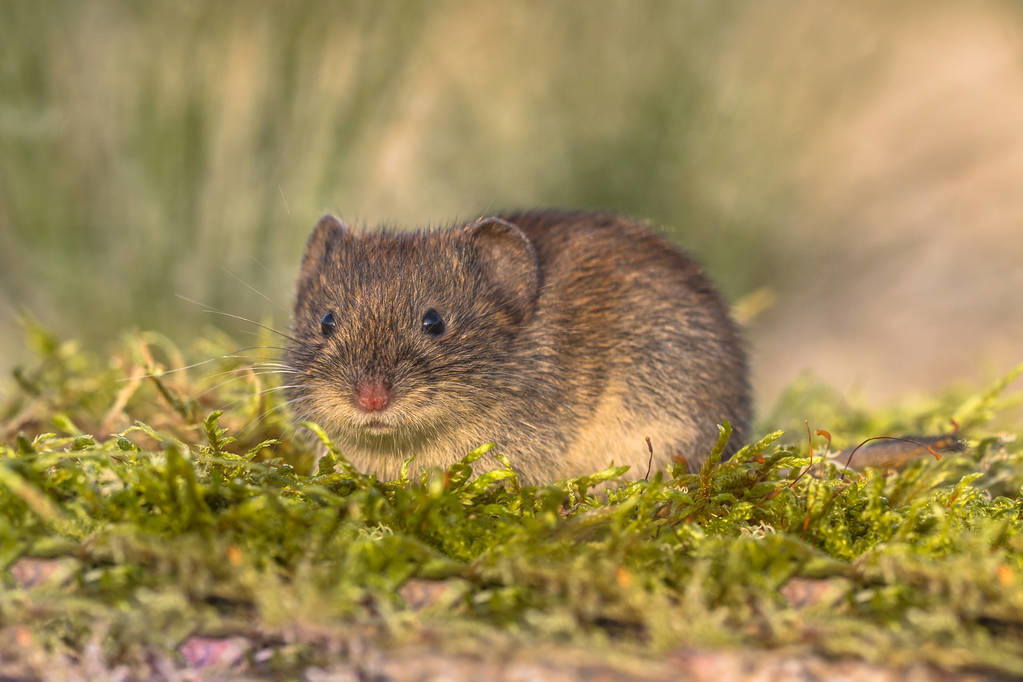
566, 338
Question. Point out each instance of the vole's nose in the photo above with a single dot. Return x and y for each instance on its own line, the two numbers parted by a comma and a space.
372, 395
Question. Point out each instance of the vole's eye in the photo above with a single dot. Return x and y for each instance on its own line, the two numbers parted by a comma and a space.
433, 323
327, 324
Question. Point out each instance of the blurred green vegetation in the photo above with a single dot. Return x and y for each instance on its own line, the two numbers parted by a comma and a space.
153, 150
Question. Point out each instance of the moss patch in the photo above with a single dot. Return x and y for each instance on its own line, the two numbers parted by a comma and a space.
148, 513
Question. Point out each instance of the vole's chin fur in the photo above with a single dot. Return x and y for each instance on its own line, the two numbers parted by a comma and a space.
401, 421
566, 338
379, 442
432, 443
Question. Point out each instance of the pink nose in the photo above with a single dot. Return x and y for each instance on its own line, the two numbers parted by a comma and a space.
372, 396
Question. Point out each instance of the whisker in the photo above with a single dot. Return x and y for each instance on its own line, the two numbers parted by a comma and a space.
231, 355
252, 423
247, 285
253, 370
211, 309
240, 376
279, 366
271, 389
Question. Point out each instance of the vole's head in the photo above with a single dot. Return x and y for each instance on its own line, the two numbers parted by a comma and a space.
399, 336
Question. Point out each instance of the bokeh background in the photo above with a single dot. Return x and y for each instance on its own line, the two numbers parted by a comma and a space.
851, 173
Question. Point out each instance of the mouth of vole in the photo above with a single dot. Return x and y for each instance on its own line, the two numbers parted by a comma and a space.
385, 428
378, 427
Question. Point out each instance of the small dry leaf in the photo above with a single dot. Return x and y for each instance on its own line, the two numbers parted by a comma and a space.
1005, 575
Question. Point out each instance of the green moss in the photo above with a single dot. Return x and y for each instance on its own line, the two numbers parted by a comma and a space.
155, 505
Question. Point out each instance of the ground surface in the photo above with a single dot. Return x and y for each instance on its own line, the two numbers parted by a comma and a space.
171, 525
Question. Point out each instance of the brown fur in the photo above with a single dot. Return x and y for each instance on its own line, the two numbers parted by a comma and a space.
569, 338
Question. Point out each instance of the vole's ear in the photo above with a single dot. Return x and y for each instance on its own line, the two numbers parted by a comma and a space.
324, 239
508, 259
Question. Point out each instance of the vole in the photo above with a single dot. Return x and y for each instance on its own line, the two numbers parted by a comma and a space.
566, 338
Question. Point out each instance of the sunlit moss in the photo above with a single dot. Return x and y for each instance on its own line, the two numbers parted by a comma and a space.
168, 504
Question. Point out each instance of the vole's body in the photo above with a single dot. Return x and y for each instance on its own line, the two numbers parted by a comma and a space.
567, 338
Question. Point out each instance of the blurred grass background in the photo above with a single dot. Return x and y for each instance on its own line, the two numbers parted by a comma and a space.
858, 164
